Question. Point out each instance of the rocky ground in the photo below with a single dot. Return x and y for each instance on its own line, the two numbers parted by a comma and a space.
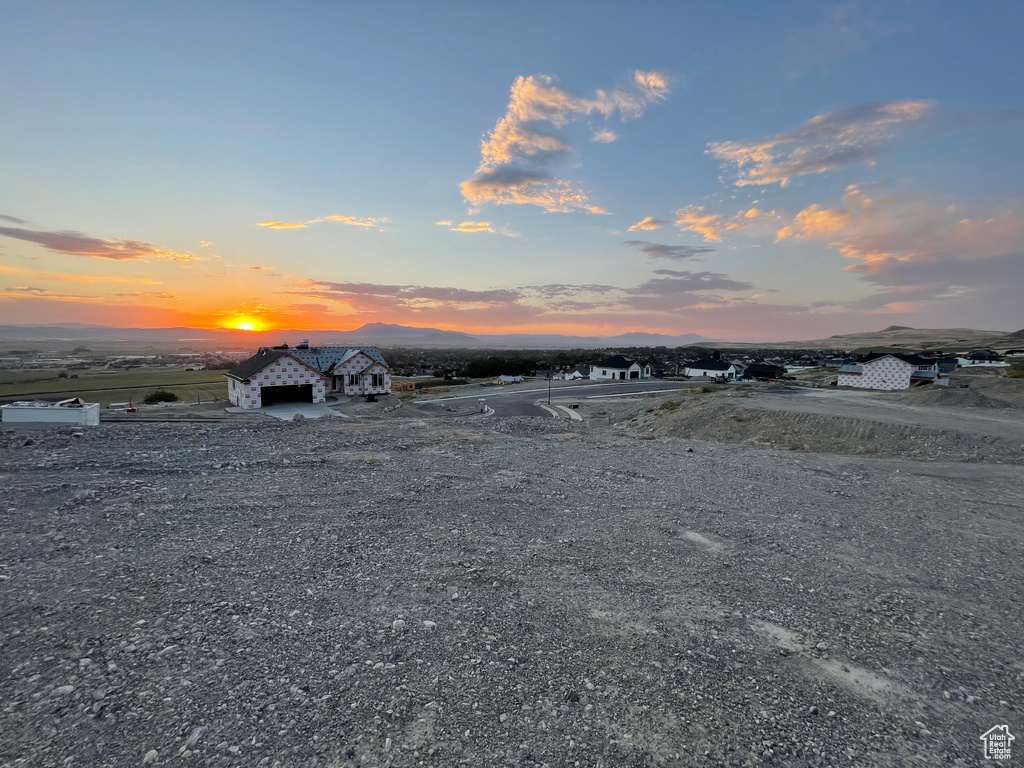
405, 591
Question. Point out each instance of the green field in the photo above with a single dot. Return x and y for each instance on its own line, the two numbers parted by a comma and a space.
119, 386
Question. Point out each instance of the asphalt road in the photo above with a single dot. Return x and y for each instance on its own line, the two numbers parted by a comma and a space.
522, 399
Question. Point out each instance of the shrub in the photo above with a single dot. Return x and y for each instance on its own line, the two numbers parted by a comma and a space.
669, 405
709, 388
160, 396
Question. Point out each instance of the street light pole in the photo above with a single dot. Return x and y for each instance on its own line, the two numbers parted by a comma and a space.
549, 389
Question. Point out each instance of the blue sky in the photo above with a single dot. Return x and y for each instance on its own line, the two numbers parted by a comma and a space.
757, 170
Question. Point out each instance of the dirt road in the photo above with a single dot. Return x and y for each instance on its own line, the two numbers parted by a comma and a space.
1002, 423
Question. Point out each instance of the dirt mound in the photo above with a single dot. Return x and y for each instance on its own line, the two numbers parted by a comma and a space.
950, 396
786, 430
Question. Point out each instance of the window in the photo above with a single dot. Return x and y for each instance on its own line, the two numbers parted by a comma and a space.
378, 379
353, 379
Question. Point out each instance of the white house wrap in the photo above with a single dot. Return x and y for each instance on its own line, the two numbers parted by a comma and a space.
307, 374
889, 371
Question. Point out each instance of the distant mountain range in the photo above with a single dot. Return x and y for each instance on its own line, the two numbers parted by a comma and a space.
392, 335
902, 337
378, 334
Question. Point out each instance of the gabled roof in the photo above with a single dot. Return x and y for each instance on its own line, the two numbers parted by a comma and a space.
325, 358
850, 368
320, 359
906, 357
615, 361
764, 369
710, 365
257, 362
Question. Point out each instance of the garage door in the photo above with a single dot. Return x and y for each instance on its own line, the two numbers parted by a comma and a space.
296, 393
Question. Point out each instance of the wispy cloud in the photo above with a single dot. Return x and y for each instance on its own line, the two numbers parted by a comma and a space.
357, 222
814, 222
278, 224
825, 142
151, 295
77, 244
674, 252
406, 295
604, 136
28, 292
648, 224
63, 277
845, 30
478, 226
350, 220
669, 291
694, 219
12, 219
677, 289
473, 226
518, 154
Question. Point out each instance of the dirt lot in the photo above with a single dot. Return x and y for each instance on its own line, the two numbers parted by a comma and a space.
983, 423
404, 591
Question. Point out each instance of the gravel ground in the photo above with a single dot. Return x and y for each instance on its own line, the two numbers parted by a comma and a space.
497, 592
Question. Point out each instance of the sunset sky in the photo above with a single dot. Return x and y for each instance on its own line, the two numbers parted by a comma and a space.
775, 170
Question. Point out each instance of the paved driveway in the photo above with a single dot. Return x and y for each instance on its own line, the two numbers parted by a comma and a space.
288, 411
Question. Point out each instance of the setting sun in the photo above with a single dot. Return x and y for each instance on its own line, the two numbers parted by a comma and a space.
245, 323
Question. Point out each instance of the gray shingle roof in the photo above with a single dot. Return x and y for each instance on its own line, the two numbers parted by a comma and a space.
710, 365
906, 357
616, 361
325, 358
257, 362
322, 359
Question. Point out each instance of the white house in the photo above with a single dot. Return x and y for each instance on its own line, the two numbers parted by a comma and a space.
712, 369
307, 374
619, 367
579, 372
891, 371
967, 362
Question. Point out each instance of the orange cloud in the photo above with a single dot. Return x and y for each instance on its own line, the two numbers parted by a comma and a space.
278, 224
357, 222
21, 292
350, 220
445, 223
814, 222
647, 224
693, 219
511, 187
151, 295
62, 277
473, 226
516, 155
77, 244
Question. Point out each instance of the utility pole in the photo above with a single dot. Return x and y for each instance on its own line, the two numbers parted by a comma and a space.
549, 389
